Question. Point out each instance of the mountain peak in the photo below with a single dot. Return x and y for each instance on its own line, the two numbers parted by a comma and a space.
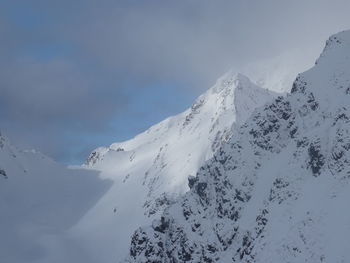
231, 100
335, 44
234, 95
328, 82
159, 161
233, 83
230, 81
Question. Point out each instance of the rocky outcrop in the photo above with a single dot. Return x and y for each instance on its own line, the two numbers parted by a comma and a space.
277, 190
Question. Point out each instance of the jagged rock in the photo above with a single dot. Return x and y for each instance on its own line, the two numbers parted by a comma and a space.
277, 190
3, 173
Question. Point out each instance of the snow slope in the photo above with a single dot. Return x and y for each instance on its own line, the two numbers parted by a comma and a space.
40, 201
278, 189
152, 169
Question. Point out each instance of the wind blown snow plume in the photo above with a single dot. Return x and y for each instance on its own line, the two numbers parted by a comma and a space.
277, 190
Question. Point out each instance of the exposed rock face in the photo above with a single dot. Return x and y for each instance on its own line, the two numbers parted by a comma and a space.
277, 190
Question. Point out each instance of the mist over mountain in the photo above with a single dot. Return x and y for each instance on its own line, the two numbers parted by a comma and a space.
255, 170
91, 72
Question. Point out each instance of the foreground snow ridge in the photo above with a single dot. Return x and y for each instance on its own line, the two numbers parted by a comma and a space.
40, 201
277, 190
152, 169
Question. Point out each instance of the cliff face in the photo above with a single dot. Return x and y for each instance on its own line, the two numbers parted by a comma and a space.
277, 190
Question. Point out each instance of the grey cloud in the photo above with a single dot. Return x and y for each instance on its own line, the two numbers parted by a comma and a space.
39, 91
48, 99
201, 39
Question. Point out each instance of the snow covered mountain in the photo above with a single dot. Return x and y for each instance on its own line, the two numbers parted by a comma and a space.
278, 189
232, 179
151, 170
40, 201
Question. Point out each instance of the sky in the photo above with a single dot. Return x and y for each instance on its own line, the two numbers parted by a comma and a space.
79, 74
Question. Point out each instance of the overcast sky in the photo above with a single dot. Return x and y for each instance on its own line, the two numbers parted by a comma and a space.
75, 75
